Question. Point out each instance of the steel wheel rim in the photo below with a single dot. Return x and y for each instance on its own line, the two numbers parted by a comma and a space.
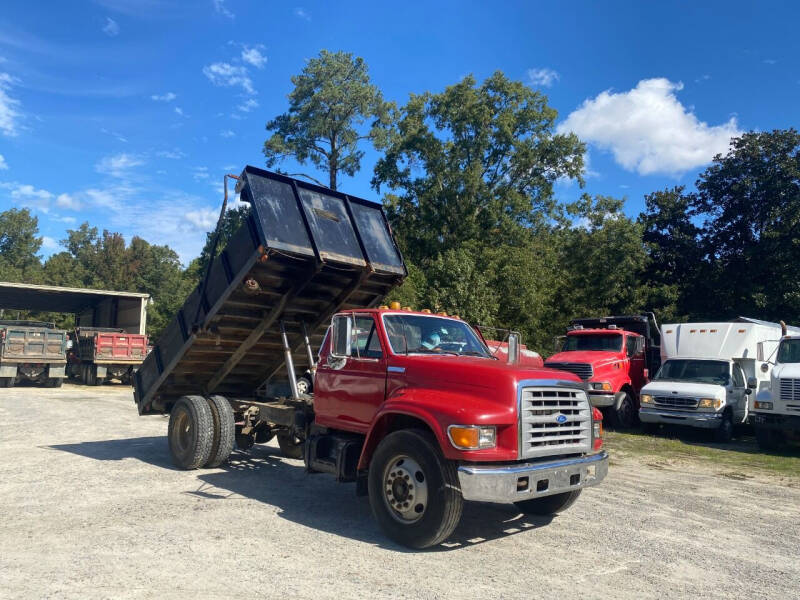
302, 386
183, 428
405, 489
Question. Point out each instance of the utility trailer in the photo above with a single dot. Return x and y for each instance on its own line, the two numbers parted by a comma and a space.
411, 406
32, 350
102, 353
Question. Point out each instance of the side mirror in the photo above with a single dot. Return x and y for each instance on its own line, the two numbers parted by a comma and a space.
341, 336
640, 342
760, 351
752, 382
748, 391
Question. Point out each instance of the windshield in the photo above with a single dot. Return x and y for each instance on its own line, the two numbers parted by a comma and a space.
696, 371
604, 342
415, 333
789, 351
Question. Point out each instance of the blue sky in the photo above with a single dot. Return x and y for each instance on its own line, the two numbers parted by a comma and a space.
128, 113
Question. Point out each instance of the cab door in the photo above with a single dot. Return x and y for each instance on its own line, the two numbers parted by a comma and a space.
634, 349
348, 391
737, 396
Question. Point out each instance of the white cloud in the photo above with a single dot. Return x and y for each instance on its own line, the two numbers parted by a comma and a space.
118, 136
67, 201
302, 13
543, 76
248, 105
174, 154
4, 164
168, 97
770, 61
205, 218
8, 107
253, 56
200, 173
221, 9
227, 133
179, 111
648, 130
49, 245
226, 75
111, 28
26, 195
118, 165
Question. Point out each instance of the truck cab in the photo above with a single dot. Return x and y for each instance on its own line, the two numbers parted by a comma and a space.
614, 356
776, 410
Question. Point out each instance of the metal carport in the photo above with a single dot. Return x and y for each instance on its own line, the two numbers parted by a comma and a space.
92, 308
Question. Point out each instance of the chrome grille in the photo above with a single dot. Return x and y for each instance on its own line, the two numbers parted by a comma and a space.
582, 370
540, 432
790, 393
675, 402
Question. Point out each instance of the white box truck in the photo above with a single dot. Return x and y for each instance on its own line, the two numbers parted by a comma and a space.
708, 375
776, 410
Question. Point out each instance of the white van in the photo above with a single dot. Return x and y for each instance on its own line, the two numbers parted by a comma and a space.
708, 374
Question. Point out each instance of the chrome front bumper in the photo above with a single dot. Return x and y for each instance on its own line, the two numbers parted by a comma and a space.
523, 481
602, 400
680, 417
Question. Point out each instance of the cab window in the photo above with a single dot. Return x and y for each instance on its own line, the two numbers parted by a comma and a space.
630, 346
367, 344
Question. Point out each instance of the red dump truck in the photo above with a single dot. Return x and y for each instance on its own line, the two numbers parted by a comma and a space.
410, 406
615, 356
101, 353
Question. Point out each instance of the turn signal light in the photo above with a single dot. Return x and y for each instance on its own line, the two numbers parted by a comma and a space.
597, 429
472, 437
763, 405
601, 385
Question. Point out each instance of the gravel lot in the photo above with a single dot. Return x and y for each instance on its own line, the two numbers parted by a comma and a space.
92, 507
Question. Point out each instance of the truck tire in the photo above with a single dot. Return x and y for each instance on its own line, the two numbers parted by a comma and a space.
191, 432
724, 433
224, 431
54, 382
304, 385
624, 416
768, 439
291, 446
90, 375
6, 382
413, 490
549, 505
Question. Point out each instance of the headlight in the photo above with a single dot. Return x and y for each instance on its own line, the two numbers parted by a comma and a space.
600, 385
763, 405
646, 399
709, 403
472, 437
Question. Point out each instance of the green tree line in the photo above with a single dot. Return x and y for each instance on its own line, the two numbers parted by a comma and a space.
467, 178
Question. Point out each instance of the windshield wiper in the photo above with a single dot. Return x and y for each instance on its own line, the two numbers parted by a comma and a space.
476, 353
426, 351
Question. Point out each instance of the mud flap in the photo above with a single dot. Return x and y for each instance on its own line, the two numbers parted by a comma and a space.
8, 370
56, 371
102, 371
618, 398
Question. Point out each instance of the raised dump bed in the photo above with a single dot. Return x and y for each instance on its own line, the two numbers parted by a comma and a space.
304, 253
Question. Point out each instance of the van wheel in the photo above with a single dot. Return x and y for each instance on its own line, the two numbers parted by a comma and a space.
549, 505
224, 431
413, 490
724, 432
624, 416
191, 432
291, 446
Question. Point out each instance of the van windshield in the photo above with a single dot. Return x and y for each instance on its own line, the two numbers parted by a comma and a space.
432, 335
789, 351
696, 371
603, 342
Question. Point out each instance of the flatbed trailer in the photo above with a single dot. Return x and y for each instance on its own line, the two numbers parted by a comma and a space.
304, 253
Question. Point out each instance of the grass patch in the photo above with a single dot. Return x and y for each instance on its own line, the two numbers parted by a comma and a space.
736, 460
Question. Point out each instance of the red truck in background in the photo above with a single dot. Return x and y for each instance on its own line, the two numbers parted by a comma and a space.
615, 356
102, 353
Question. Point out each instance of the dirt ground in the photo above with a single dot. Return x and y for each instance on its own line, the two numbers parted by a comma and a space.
91, 507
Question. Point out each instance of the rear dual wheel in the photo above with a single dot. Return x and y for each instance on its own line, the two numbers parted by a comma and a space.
201, 431
6, 382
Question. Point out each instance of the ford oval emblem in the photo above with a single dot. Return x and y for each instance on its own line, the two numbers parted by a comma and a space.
561, 418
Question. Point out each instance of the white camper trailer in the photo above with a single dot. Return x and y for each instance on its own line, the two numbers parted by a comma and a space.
708, 375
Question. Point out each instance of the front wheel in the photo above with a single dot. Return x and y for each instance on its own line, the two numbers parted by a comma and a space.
624, 415
549, 505
413, 490
724, 432
768, 439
